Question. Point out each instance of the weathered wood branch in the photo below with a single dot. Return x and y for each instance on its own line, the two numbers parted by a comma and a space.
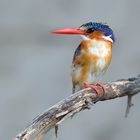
76, 103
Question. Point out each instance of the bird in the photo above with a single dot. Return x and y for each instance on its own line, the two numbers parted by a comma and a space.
93, 55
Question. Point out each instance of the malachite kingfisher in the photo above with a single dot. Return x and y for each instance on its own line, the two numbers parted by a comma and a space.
93, 55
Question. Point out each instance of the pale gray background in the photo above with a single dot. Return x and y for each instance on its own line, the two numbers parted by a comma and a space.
35, 65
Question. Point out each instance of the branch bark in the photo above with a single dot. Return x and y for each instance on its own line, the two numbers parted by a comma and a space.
77, 102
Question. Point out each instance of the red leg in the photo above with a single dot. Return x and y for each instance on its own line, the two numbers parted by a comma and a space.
102, 86
87, 85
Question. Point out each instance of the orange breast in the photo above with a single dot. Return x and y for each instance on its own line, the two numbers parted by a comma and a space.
94, 58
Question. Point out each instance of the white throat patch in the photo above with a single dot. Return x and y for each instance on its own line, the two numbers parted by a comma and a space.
85, 37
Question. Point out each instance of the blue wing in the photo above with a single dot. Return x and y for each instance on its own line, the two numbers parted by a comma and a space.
77, 52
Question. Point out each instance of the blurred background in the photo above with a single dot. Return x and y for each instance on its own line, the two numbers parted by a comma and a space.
35, 65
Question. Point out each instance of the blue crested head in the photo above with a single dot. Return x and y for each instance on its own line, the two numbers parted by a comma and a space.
95, 26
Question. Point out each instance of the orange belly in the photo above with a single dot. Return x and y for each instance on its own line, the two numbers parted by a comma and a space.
91, 64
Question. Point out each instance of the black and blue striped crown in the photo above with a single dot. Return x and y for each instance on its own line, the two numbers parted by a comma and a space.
92, 26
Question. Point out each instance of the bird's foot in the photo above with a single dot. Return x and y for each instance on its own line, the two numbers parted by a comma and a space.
102, 86
87, 85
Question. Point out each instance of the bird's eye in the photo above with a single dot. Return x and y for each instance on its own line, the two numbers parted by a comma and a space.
90, 30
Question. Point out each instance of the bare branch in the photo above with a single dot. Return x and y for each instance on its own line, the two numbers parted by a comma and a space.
77, 102
129, 105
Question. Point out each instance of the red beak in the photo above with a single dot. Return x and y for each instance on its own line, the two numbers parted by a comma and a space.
73, 31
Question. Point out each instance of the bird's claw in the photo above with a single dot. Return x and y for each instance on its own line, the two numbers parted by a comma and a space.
102, 86
95, 88
87, 85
